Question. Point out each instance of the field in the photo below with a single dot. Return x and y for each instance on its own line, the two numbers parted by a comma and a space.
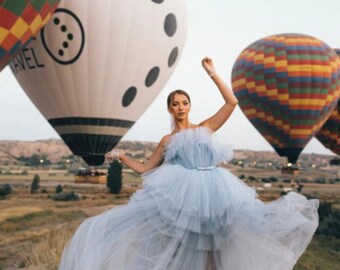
34, 228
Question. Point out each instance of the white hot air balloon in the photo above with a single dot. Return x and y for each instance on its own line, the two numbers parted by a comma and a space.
98, 65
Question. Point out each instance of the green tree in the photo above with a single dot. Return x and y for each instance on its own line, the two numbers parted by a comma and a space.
114, 177
35, 184
34, 160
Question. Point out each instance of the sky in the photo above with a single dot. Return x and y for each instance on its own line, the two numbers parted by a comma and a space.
220, 29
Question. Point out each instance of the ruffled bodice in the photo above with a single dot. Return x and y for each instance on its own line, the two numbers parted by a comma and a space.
196, 149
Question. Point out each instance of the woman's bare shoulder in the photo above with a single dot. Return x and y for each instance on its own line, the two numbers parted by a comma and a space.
165, 140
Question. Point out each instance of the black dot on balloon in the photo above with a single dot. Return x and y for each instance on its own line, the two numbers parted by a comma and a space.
158, 1
69, 36
65, 44
152, 76
170, 24
61, 52
56, 21
173, 56
129, 96
63, 28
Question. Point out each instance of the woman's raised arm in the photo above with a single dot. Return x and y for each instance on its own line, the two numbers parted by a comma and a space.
222, 115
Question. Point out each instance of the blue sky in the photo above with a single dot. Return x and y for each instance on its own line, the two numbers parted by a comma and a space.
220, 29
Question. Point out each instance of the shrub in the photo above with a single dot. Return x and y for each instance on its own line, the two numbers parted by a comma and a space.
329, 218
252, 178
114, 177
59, 189
35, 184
265, 180
273, 179
5, 190
65, 196
320, 181
299, 188
44, 190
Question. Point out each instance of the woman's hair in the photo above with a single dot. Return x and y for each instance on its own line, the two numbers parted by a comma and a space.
173, 93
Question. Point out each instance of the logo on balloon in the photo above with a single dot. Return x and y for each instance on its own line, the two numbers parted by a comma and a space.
64, 37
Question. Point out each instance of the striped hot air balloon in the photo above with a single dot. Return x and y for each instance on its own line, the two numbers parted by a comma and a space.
287, 86
20, 20
329, 134
98, 65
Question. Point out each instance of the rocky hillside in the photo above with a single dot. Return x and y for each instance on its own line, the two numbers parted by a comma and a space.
55, 150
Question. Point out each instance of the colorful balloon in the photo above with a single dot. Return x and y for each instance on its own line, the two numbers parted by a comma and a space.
20, 20
98, 65
287, 86
329, 134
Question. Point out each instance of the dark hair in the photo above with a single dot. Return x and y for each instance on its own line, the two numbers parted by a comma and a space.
173, 93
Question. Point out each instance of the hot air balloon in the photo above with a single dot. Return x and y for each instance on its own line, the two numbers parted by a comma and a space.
287, 86
98, 65
19, 22
329, 134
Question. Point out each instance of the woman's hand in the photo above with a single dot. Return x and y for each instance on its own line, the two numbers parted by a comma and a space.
208, 65
112, 156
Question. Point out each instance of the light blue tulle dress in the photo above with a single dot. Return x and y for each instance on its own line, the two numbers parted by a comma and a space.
193, 215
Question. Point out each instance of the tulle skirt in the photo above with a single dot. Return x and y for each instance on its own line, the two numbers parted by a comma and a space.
191, 219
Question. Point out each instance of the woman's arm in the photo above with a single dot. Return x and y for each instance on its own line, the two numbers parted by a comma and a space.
155, 160
219, 118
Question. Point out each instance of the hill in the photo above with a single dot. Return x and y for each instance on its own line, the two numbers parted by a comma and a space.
55, 150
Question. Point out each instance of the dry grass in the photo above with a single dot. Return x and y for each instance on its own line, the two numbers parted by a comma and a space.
17, 211
46, 254
33, 228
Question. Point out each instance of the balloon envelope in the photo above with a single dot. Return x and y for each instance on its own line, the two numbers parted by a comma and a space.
287, 86
98, 65
329, 134
19, 22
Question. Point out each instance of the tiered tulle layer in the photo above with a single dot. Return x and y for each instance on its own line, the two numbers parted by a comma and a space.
187, 219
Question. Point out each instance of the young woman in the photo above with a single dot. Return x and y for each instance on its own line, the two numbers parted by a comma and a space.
192, 214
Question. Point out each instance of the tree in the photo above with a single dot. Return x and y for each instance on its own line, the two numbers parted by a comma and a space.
35, 184
114, 177
34, 160
299, 188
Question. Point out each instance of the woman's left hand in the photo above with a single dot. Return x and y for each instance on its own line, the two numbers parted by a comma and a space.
208, 65
112, 156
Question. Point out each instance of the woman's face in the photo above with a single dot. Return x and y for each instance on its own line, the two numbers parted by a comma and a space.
180, 107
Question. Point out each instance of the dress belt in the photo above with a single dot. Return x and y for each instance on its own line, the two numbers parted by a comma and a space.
208, 168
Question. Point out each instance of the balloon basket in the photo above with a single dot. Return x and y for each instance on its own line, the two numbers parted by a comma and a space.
290, 170
90, 176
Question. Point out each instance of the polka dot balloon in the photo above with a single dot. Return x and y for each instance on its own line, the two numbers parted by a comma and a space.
98, 65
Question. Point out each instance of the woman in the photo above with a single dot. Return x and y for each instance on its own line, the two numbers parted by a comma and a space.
192, 214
